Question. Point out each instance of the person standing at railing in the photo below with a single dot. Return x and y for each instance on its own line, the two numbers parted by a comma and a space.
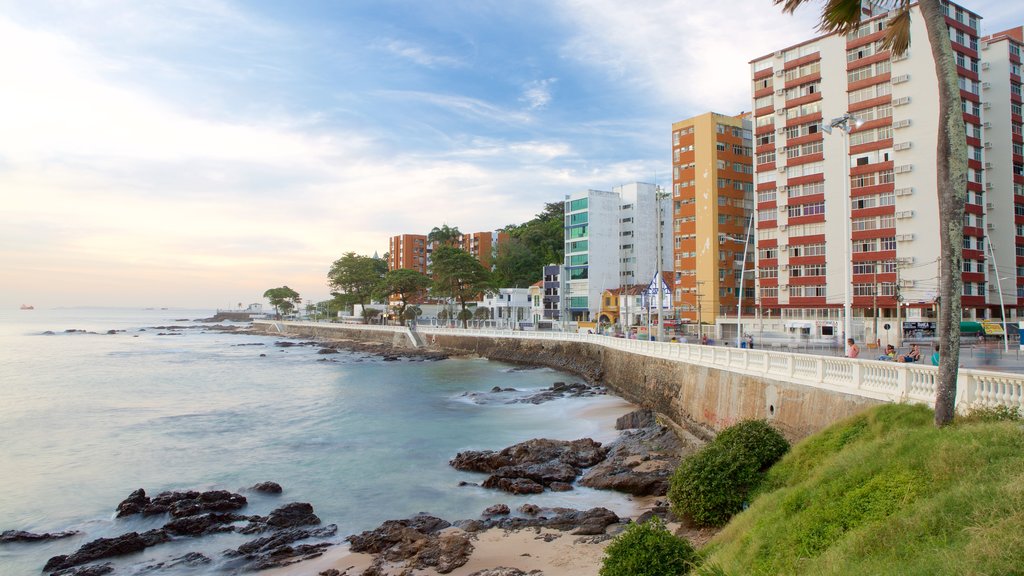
935, 356
854, 351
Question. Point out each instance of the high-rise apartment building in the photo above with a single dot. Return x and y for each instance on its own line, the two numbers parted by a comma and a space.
611, 239
483, 245
881, 178
408, 251
1003, 153
712, 203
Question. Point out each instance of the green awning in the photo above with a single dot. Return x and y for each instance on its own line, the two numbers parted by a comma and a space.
970, 327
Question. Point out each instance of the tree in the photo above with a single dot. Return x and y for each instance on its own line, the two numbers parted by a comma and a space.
355, 278
519, 262
283, 299
444, 235
457, 274
403, 284
843, 16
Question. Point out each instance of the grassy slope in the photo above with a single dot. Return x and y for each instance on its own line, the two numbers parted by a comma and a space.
887, 493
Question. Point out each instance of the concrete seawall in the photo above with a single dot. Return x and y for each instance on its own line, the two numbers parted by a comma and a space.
695, 400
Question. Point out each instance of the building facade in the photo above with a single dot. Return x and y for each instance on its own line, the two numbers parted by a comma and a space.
877, 180
408, 251
483, 245
712, 206
612, 238
1003, 153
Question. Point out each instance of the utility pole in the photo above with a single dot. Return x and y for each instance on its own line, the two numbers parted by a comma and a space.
659, 195
700, 317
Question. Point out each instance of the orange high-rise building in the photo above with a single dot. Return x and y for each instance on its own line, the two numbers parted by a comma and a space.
408, 251
712, 193
483, 245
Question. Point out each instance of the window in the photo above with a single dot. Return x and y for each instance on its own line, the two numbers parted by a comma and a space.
766, 157
806, 250
767, 214
578, 218
767, 253
766, 138
579, 204
766, 196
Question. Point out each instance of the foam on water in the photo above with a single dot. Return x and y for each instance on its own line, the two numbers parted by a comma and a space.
87, 418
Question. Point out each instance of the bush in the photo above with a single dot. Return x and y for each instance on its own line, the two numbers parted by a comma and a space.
715, 482
991, 414
648, 549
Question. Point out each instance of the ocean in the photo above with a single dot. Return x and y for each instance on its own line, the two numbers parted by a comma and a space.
86, 417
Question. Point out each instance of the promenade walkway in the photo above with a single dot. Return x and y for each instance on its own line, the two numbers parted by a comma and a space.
886, 381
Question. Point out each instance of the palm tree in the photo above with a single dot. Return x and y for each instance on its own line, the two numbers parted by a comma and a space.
444, 235
843, 16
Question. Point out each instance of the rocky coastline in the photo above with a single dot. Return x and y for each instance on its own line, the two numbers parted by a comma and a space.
639, 463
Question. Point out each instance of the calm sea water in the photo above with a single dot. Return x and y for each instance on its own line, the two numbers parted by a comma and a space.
87, 418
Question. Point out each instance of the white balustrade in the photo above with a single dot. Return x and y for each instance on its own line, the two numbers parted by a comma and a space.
894, 382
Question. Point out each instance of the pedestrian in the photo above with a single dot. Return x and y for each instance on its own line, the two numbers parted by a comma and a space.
704, 339
935, 356
750, 341
853, 351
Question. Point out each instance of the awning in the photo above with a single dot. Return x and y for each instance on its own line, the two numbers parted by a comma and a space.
970, 327
992, 328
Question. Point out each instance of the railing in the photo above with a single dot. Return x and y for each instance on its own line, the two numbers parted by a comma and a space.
887, 381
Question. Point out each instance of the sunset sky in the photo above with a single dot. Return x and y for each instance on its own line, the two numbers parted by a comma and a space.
197, 153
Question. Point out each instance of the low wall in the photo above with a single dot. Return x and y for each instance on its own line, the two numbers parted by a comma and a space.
694, 399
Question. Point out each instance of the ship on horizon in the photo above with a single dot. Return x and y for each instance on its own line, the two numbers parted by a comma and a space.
27, 307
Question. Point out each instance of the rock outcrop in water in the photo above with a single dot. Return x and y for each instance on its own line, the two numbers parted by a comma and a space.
530, 467
194, 514
417, 542
22, 536
640, 462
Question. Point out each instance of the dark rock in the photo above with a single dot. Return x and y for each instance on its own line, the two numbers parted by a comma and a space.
643, 418
390, 358
330, 572
203, 524
93, 570
327, 351
267, 488
292, 515
514, 485
135, 503
529, 509
108, 548
22, 536
48, 333
577, 453
503, 571
639, 462
182, 504
285, 344
281, 538
464, 483
192, 559
392, 532
528, 467
560, 487
583, 522
496, 389
497, 510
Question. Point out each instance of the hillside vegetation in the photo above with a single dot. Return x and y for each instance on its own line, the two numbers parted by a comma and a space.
886, 492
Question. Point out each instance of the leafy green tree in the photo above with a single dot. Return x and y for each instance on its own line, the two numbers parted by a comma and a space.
457, 274
482, 313
283, 299
843, 16
355, 278
519, 262
403, 285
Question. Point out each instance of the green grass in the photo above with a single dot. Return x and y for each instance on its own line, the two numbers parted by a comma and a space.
887, 493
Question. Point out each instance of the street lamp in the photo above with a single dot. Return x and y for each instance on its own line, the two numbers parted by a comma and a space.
999, 286
659, 195
743, 275
846, 123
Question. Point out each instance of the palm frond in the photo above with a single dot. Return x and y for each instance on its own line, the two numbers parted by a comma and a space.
840, 16
790, 6
897, 31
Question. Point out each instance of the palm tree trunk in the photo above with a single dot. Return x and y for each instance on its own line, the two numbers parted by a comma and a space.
952, 191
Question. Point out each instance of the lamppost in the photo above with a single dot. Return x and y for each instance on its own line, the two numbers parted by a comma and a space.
999, 287
659, 195
747, 241
844, 123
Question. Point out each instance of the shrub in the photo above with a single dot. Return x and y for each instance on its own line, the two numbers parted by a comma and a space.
648, 549
715, 482
991, 414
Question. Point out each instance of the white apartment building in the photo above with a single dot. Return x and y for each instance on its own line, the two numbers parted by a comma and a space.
881, 177
611, 239
1003, 154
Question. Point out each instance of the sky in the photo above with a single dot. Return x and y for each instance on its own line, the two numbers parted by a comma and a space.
197, 153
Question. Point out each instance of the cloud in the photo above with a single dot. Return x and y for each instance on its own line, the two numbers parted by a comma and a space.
694, 56
537, 94
419, 55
